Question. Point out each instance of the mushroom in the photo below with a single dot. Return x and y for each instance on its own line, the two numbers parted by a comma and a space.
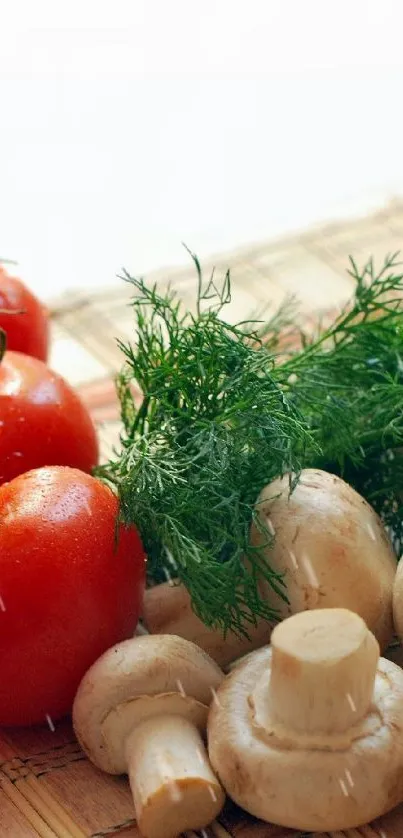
308, 734
329, 544
331, 547
167, 609
398, 602
142, 709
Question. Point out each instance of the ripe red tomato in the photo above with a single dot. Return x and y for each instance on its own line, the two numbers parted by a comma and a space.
28, 330
71, 586
42, 420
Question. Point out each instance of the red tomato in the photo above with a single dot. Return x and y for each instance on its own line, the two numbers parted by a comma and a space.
71, 586
28, 330
42, 420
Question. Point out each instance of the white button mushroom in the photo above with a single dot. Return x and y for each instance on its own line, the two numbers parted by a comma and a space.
167, 609
331, 547
142, 709
398, 601
308, 734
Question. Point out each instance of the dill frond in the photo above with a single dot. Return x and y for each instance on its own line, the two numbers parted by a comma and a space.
348, 385
214, 427
226, 409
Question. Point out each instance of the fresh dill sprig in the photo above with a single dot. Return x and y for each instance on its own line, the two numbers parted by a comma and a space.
228, 408
213, 428
348, 384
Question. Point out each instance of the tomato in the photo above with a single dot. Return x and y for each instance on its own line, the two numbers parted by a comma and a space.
71, 586
27, 329
42, 420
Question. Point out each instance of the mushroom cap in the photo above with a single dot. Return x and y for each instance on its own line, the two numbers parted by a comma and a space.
332, 548
398, 601
134, 680
308, 788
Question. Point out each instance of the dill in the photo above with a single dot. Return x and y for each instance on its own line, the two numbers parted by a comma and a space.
213, 428
348, 384
226, 408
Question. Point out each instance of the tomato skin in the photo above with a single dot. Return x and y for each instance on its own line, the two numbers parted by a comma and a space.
43, 422
68, 589
27, 331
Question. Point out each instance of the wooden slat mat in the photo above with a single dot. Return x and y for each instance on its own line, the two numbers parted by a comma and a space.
47, 787
311, 266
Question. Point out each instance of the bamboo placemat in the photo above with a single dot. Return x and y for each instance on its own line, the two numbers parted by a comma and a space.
47, 787
312, 266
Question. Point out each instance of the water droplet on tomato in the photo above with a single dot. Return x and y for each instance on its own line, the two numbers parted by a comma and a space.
50, 722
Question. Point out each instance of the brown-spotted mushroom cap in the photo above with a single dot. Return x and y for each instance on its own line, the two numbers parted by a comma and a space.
141, 709
308, 734
331, 547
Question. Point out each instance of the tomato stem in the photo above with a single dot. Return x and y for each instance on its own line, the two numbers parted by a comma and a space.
3, 344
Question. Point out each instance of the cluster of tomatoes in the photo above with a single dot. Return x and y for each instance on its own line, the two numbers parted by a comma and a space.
71, 580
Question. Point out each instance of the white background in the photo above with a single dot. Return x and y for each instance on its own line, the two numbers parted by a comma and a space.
128, 127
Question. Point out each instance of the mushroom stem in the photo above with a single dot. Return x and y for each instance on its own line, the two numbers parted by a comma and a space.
322, 672
167, 609
173, 786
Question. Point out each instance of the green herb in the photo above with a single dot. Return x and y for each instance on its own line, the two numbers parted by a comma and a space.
348, 384
213, 428
228, 408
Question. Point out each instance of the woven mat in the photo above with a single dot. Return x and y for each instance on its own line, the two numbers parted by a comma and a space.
312, 266
47, 787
